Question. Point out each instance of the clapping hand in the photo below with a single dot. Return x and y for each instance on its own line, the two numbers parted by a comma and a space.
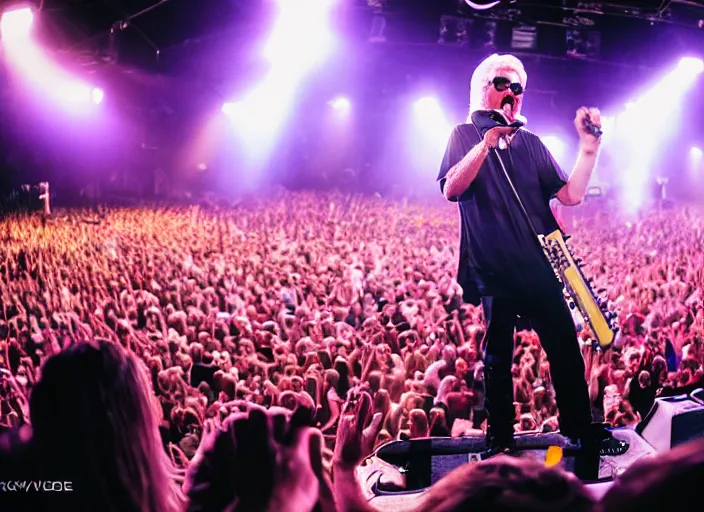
261, 460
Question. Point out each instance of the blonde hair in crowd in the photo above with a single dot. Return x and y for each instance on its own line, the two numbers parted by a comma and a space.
94, 415
485, 72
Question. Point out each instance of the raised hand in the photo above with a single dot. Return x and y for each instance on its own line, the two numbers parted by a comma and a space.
357, 431
587, 140
261, 460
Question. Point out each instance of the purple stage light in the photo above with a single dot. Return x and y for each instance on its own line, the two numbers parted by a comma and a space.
97, 96
341, 104
16, 24
696, 157
482, 6
302, 35
77, 93
431, 126
691, 65
427, 107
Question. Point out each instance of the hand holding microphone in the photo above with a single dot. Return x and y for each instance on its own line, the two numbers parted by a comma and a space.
503, 129
588, 124
592, 128
492, 136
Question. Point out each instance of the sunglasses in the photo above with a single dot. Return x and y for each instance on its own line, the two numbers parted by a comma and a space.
502, 83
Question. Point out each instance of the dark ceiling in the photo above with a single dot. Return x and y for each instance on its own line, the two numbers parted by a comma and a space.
85, 25
151, 33
131, 45
211, 40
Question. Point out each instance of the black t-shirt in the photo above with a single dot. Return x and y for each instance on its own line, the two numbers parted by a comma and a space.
499, 255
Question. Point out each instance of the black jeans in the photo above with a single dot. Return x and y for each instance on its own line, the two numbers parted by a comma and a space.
552, 321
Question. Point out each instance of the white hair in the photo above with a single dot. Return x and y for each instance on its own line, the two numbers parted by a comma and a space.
486, 71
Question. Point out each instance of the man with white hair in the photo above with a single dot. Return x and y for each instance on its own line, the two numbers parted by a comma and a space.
502, 266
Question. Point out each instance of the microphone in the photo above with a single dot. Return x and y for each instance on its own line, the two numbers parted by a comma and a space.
592, 128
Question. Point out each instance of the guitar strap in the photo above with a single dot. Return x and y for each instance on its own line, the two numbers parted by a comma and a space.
515, 192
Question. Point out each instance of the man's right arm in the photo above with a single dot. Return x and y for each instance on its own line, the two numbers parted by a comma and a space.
461, 176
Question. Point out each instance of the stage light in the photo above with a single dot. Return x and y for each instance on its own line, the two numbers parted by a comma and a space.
696, 156
555, 146
302, 35
454, 29
97, 95
524, 37
582, 43
489, 40
427, 106
431, 126
691, 65
229, 109
340, 104
607, 123
16, 23
482, 7
74, 92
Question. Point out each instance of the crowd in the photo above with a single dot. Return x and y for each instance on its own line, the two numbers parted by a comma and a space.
180, 348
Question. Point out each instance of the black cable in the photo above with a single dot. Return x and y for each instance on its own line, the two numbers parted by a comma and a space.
123, 23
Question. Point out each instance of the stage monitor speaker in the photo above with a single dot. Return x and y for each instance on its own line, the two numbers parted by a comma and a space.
672, 421
697, 395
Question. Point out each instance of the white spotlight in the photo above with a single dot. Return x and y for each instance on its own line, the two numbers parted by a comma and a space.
340, 104
691, 65
16, 24
483, 6
696, 157
427, 106
97, 96
230, 109
431, 123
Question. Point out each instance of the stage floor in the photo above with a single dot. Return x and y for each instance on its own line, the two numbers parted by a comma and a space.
439, 456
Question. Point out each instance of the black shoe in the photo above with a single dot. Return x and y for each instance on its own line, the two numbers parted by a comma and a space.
613, 447
604, 445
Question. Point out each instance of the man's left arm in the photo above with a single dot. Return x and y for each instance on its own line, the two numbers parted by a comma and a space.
574, 191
